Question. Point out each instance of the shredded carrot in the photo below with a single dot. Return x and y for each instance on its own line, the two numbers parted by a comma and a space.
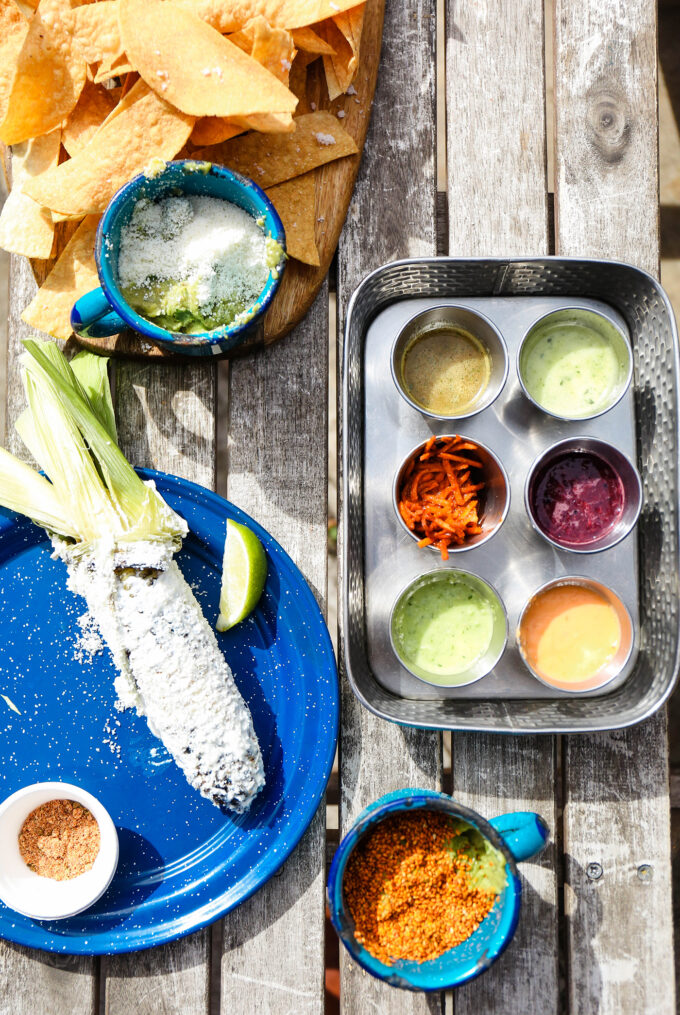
438, 495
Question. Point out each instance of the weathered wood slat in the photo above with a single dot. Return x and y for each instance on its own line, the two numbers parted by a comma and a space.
166, 420
495, 98
170, 980
616, 786
392, 215
273, 945
36, 981
495, 128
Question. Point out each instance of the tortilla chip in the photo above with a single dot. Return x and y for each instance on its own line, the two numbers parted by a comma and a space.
272, 47
298, 83
272, 158
93, 106
268, 123
192, 66
25, 227
148, 128
115, 68
213, 130
230, 16
343, 32
294, 201
13, 32
307, 39
49, 77
73, 275
128, 97
96, 31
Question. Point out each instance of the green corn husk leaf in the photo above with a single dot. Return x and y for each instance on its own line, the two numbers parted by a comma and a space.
69, 427
92, 372
28, 493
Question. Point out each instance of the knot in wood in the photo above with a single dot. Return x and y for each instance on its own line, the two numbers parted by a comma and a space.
608, 124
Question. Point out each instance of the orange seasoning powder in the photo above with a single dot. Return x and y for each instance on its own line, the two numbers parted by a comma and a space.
59, 840
409, 892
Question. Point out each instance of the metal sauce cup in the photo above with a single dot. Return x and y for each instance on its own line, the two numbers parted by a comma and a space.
494, 499
499, 636
598, 323
458, 318
624, 469
607, 673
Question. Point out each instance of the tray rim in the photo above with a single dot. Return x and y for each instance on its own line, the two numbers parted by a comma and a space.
482, 726
209, 912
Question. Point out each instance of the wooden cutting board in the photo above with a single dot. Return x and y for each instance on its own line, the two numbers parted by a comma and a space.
333, 192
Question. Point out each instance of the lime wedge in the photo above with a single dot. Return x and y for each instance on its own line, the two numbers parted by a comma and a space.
244, 572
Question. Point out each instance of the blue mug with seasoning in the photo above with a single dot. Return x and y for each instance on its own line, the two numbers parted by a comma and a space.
518, 836
105, 311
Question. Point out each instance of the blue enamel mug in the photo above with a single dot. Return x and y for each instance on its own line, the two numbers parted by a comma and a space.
518, 836
105, 311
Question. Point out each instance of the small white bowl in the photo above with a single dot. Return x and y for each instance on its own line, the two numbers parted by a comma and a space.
43, 898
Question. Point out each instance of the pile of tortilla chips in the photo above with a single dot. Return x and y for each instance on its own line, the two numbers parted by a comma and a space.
90, 92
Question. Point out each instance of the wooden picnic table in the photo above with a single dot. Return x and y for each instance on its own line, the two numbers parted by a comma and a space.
595, 935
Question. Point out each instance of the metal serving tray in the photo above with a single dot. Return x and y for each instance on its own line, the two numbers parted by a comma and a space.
380, 429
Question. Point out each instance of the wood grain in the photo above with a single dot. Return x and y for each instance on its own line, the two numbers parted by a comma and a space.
273, 945
616, 785
392, 215
333, 191
32, 981
166, 420
495, 128
495, 98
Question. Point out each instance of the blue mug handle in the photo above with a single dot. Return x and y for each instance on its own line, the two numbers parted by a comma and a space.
93, 316
523, 832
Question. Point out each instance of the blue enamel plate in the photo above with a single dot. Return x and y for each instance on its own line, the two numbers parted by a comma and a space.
182, 862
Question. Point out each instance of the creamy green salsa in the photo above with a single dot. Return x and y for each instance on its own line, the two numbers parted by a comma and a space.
442, 628
487, 871
572, 369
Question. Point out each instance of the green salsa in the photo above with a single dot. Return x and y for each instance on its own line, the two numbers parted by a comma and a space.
487, 864
441, 628
571, 368
175, 306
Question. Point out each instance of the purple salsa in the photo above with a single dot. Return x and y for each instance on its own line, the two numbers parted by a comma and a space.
576, 498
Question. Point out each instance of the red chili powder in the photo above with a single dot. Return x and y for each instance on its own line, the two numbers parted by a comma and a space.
409, 893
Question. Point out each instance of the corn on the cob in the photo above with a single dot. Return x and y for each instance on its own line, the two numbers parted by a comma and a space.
117, 537
172, 671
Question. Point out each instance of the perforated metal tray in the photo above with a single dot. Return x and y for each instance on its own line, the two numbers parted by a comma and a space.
512, 293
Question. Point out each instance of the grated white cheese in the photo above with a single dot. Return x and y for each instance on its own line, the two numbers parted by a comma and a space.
89, 642
204, 241
324, 139
172, 670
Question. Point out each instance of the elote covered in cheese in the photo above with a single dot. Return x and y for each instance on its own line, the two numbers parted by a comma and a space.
117, 537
